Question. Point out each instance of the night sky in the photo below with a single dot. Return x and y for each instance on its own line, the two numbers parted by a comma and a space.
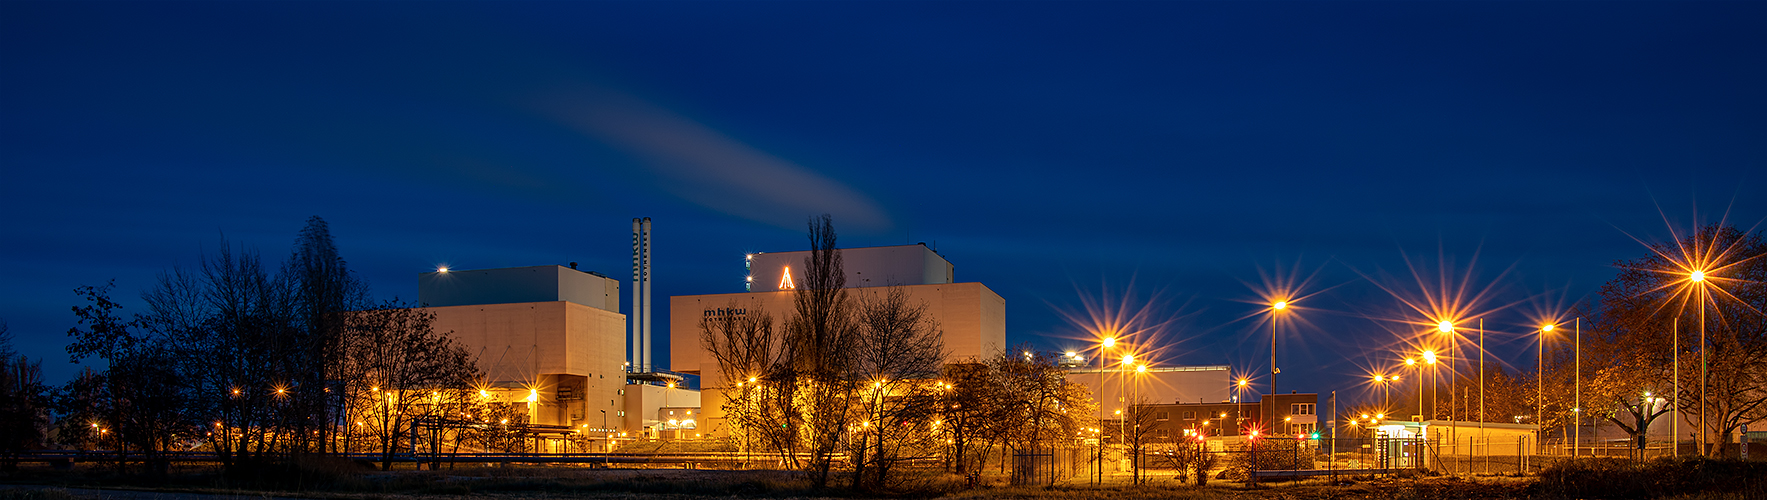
1173, 154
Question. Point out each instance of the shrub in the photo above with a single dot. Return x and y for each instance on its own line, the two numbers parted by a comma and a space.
1272, 454
1623, 478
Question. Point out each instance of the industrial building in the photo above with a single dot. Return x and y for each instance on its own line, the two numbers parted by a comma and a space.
971, 316
1294, 415
552, 338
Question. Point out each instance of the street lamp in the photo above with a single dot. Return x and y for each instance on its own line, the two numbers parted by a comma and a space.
1429, 358
1540, 380
1417, 369
1277, 307
1385, 383
1446, 327
1698, 276
1241, 387
1105, 344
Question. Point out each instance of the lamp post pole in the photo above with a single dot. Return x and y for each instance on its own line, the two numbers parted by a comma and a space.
1704, 441
1275, 309
1540, 384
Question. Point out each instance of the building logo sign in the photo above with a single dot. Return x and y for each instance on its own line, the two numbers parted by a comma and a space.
785, 281
725, 311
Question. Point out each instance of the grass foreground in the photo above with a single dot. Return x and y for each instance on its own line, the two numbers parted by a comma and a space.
1680, 479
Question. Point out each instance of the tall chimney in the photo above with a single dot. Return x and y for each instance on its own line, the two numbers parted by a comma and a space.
641, 295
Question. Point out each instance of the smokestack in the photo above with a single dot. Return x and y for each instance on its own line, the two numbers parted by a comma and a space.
641, 295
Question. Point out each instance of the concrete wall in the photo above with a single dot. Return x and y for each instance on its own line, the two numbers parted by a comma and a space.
865, 267
552, 347
1476, 439
646, 408
513, 285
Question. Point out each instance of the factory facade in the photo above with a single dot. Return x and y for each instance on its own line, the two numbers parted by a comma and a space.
971, 316
552, 339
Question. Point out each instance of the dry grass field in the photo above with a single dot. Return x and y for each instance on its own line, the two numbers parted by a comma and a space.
1680, 480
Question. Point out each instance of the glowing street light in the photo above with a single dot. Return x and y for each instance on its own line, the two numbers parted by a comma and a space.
1386, 384
1540, 375
1275, 308
1429, 359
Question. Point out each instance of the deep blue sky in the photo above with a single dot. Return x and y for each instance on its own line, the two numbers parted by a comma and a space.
1052, 150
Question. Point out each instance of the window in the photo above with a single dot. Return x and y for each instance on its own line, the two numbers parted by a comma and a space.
1162, 433
1161, 416
1300, 409
1304, 428
1190, 415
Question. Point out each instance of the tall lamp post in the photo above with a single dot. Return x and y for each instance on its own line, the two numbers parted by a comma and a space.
1418, 372
1139, 370
1698, 277
1429, 358
1539, 382
1240, 387
1103, 353
1447, 328
1275, 308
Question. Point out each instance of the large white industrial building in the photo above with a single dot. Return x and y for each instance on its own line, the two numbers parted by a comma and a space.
553, 337
972, 317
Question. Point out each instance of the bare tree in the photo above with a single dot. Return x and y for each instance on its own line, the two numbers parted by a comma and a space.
147, 403
743, 341
900, 350
324, 288
1039, 408
406, 366
818, 345
1632, 337
234, 345
24, 402
969, 412
1138, 434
